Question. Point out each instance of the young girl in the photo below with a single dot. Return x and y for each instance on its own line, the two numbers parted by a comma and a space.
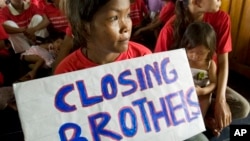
103, 29
199, 40
40, 56
228, 103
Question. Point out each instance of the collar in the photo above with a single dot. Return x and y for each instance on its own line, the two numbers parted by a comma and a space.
14, 12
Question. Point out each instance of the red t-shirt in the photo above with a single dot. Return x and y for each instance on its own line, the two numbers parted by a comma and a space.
39, 3
69, 31
3, 34
57, 19
222, 28
22, 19
138, 10
77, 61
167, 11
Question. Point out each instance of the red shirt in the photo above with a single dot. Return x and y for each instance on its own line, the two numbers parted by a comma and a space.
22, 19
69, 31
222, 28
167, 11
138, 10
3, 34
77, 61
57, 19
39, 3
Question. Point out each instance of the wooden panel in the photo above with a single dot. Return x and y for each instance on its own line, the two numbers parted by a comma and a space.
243, 38
235, 14
225, 5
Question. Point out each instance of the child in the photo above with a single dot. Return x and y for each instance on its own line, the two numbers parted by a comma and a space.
40, 56
228, 103
199, 40
103, 29
23, 22
102, 32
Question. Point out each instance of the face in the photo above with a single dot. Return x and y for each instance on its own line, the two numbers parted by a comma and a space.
110, 29
197, 54
210, 5
56, 44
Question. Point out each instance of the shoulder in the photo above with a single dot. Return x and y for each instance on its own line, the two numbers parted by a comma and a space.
69, 63
212, 18
136, 49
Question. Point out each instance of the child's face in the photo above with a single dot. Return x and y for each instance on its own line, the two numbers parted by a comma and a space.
198, 53
110, 29
210, 5
56, 44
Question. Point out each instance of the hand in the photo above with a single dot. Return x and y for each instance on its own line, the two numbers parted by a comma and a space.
198, 90
222, 114
30, 33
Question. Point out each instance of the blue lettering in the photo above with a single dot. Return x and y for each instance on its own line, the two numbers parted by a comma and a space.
97, 128
129, 132
172, 108
155, 72
141, 79
190, 103
60, 103
109, 80
76, 134
123, 81
144, 116
164, 72
161, 114
87, 101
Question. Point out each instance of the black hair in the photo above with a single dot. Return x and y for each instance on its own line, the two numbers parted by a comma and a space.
182, 20
199, 33
80, 12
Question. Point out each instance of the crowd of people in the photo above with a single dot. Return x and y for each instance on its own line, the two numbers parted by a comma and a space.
62, 36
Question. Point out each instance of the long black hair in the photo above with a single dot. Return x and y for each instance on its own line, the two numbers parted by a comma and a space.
182, 20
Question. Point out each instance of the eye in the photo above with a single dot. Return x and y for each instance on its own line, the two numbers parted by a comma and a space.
114, 18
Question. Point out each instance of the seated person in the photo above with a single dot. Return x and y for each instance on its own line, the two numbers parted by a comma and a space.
155, 26
40, 56
58, 21
23, 22
139, 13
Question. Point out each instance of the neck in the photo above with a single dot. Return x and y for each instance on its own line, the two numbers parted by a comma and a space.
18, 6
99, 58
196, 13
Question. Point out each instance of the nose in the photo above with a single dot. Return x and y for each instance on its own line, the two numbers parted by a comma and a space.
125, 25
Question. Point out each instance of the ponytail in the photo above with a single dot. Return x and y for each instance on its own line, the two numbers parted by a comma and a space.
182, 20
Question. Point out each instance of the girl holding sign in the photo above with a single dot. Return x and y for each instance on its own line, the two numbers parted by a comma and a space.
228, 103
103, 29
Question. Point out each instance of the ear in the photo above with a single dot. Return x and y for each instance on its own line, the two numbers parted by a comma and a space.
87, 26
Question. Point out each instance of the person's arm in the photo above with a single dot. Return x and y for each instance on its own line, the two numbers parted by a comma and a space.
222, 112
152, 26
13, 30
36, 62
212, 79
65, 49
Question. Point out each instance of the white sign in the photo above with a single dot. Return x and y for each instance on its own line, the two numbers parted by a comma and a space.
142, 99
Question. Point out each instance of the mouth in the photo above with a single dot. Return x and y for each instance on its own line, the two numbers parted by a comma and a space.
123, 40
